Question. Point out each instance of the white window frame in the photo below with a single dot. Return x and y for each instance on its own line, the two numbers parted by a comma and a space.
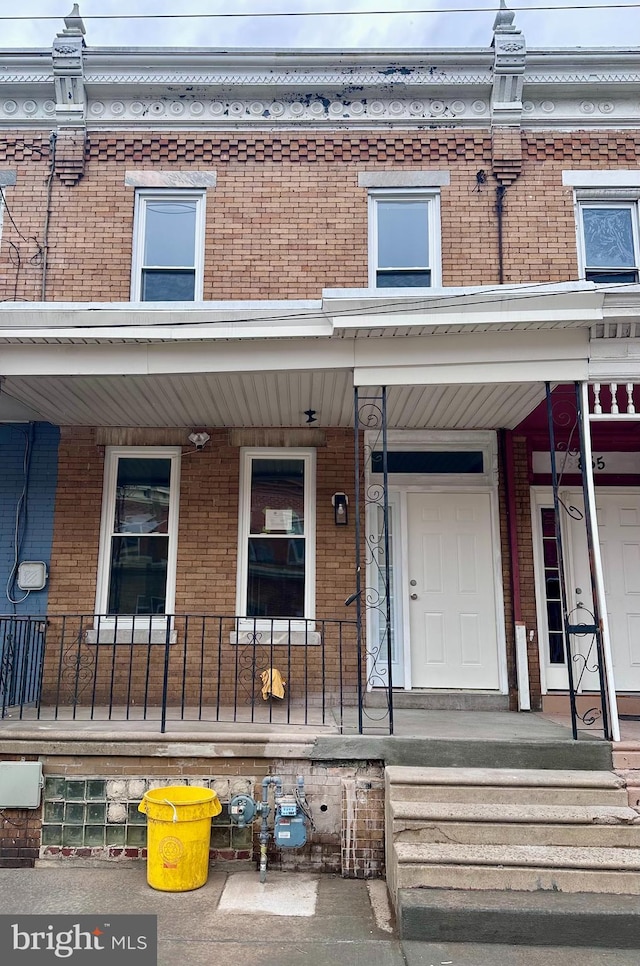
113, 454
629, 204
431, 197
247, 455
143, 197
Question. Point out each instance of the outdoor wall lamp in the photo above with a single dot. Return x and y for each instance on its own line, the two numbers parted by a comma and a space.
199, 440
340, 503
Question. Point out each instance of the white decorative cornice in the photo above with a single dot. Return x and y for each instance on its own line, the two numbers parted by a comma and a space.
390, 77
208, 89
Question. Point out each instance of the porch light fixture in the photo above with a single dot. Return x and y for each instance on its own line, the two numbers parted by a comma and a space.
340, 503
199, 440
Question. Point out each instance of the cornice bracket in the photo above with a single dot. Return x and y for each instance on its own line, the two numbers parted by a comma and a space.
510, 54
71, 98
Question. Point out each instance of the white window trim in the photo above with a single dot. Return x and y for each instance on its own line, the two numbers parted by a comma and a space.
246, 456
126, 622
599, 201
142, 197
432, 198
436, 440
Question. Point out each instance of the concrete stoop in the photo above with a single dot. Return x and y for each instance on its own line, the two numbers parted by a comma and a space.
490, 834
519, 918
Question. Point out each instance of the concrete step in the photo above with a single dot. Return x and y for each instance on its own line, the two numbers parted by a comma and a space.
486, 794
589, 826
485, 833
525, 867
507, 786
406, 812
517, 777
579, 920
425, 700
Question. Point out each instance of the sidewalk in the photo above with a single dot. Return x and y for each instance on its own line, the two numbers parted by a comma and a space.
294, 920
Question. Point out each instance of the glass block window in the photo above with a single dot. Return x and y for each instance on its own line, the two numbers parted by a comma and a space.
168, 246
609, 237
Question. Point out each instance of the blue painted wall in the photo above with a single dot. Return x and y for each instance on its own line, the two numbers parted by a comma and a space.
40, 497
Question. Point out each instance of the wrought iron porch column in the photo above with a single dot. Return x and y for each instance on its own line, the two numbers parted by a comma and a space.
370, 412
595, 562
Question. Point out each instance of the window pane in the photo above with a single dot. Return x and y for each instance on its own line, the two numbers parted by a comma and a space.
275, 586
138, 582
428, 461
608, 237
611, 276
277, 496
403, 235
556, 649
548, 523
414, 279
170, 233
168, 286
142, 496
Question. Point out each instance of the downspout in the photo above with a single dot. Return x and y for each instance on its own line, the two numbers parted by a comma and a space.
47, 217
501, 191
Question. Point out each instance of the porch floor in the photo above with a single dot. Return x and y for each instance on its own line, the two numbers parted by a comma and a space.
408, 723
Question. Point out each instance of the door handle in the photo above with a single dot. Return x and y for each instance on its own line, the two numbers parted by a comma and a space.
414, 596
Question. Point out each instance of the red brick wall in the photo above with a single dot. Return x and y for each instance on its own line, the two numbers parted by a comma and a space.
287, 218
206, 564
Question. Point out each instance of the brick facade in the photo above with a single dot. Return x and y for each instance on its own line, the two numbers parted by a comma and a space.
287, 218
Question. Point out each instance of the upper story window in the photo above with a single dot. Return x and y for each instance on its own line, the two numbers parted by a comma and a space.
609, 240
168, 251
404, 239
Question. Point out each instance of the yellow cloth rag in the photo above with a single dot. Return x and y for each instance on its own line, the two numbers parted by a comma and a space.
272, 683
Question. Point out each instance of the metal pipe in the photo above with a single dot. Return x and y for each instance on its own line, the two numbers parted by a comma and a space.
264, 824
358, 552
387, 562
501, 190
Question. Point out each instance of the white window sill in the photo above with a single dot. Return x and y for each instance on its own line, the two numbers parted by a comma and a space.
126, 635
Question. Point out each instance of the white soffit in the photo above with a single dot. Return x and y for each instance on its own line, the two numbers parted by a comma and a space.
265, 399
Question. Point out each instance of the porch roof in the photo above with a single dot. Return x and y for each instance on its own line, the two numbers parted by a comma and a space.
466, 358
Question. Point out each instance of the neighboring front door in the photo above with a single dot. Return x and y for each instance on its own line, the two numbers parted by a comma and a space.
619, 533
452, 600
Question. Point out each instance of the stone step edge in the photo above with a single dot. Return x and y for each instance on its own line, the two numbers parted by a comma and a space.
541, 918
501, 777
519, 856
588, 815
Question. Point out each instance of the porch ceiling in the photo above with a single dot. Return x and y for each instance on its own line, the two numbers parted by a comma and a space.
259, 399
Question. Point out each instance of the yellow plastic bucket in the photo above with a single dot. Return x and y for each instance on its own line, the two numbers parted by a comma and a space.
178, 836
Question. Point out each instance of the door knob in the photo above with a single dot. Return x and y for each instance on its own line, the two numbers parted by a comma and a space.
414, 596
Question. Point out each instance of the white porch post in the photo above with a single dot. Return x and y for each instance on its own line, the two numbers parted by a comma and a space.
590, 509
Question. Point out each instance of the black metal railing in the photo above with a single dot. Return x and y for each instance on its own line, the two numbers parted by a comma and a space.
187, 668
21, 660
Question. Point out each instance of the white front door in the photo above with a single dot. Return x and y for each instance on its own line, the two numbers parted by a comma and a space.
451, 591
619, 533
